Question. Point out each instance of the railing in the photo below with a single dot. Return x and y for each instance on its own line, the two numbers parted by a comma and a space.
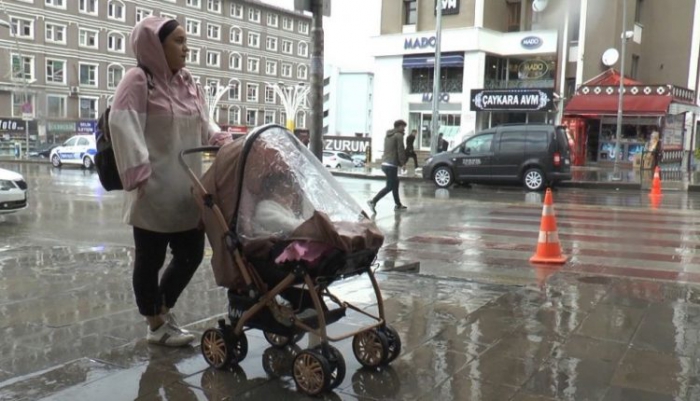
501, 84
425, 85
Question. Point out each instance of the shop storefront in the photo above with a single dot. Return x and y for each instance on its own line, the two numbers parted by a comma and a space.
13, 136
648, 112
471, 59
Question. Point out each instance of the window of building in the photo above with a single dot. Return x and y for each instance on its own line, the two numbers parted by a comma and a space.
55, 71
56, 106
214, 6
271, 43
283, 117
115, 42
286, 70
235, 61
287, 23
213, 85
638, 11
410, 12
234, 115
192, 26
88, 6
88, 38
272, 20
194, 3
287, 46
237, 11
193, 56
304, 27
115, 73
302, 72
253, 39
514, 10
22, 69
271, 67
301, 119
56, 3
115, 10
234, 89
168, 15
269, 117
303, 49
236, 35
23, 28
253, 14
251, 118
19, 99
252, 92
269, 94
213, 58
214, 31
253, 64
88, 74
142, 13
634, 70
88, 108
55, 33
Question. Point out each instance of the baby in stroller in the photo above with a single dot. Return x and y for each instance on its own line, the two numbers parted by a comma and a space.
282, 229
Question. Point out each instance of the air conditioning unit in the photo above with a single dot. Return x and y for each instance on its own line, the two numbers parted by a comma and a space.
74, 90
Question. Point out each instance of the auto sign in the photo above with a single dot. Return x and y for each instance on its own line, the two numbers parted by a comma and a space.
531, 42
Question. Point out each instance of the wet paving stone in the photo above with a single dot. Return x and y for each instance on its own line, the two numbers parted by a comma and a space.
671, 328
525, 345
501, 370
654, 372
571, 379
615, 393
581, 347
466, 388
611, 322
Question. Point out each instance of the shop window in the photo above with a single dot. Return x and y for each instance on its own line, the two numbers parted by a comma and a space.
410, 9
451, 80
514, 11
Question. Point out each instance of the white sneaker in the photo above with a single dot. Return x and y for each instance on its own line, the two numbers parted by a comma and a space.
169, 336
170, 318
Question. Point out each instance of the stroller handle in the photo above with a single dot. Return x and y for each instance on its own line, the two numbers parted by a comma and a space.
187, 168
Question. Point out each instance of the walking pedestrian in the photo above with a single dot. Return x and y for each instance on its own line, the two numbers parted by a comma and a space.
443, 145
393, 158
158, 111
410, 151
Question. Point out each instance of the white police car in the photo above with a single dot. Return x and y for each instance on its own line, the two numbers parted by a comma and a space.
13, 192
80, 149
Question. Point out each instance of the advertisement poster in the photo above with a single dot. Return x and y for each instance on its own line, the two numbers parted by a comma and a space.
672, 136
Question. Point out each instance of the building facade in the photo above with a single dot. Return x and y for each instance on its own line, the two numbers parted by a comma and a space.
518, 61
69, 55
347, 102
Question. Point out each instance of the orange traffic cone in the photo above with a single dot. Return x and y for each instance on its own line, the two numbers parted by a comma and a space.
548, 247
656, 183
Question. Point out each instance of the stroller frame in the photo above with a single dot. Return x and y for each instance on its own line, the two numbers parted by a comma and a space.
315, 370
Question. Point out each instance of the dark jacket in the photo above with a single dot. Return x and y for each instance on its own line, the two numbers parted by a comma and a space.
410, 140
394, 151
443, 145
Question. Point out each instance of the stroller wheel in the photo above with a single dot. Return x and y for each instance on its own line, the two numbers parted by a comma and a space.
311, 372
278, 362
215, 349
371, 348
280, 341
394, 344
337, 363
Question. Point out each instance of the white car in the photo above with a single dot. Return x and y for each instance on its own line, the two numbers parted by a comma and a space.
13, 192
80, 149
334, 159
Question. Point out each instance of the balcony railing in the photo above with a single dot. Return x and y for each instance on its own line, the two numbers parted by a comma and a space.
425, 85
535, 83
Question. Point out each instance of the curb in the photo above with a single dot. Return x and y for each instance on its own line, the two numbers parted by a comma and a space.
26, 161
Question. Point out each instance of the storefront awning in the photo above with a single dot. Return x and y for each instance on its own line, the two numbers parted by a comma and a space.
428, 61
607, 105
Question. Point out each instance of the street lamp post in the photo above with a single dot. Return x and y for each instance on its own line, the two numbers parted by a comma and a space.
624, 37
436, 80
212, 96
292, 98
25, 82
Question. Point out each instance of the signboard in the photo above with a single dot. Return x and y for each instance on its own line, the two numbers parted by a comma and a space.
512, 99
420, 43
449, 7
12, 125
27, 111
62, 126
532, 69
673, 130
346, 144
85, 127
428, 97
531, 42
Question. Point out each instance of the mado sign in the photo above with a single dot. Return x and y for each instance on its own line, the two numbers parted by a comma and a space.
531, 42
419, 43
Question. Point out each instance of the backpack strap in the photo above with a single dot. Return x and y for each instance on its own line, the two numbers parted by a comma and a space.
149, 76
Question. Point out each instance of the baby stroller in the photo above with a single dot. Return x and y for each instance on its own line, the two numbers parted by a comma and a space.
282, 230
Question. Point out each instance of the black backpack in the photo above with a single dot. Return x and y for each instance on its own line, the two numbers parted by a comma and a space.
105, 163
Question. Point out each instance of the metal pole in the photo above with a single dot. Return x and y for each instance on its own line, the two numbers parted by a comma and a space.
316, 126
618, 134
436, 80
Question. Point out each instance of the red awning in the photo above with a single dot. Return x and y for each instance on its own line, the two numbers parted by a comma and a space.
652, 105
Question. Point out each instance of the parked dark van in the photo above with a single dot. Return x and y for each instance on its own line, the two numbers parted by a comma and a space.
537, 155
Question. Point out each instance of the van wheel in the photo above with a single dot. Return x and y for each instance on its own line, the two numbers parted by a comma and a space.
534, 179
443, 177
56, 161
87, 163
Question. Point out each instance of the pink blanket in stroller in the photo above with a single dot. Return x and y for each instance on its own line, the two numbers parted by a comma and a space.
307, 251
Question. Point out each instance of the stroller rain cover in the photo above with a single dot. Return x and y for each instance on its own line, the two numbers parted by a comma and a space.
271, 188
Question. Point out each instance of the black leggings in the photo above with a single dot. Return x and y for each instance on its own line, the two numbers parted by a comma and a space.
392, 185
412, 155
151, 247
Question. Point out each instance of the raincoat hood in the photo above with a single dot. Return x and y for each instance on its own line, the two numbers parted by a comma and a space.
147, 47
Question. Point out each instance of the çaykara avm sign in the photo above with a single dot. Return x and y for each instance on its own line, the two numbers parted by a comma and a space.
512, 99
449, 7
